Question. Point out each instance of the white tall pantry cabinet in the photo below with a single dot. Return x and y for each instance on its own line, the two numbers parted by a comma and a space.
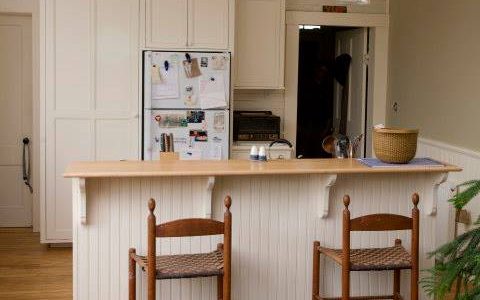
89, 88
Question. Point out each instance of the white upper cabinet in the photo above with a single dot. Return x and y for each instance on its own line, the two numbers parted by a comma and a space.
188, 24
167, 22
260, 44
209, 24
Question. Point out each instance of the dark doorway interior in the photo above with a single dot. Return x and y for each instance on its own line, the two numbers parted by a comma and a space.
315, 90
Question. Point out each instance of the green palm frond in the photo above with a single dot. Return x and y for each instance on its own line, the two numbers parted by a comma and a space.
459, 260
469, 190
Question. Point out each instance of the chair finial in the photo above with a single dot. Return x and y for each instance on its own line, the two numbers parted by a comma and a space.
228, 202
346, 201
151, 205
415, 199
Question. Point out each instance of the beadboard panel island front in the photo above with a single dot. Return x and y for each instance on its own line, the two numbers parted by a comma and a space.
276, 218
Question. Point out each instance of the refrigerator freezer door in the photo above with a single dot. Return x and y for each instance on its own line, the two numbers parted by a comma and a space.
197, 134
180, 80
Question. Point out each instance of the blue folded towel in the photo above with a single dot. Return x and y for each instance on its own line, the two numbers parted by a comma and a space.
416, 162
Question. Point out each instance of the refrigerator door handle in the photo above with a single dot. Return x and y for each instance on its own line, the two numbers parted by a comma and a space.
147, 79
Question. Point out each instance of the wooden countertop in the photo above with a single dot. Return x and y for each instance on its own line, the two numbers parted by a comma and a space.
234, 167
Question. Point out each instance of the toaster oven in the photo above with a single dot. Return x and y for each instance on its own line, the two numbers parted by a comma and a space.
255, 126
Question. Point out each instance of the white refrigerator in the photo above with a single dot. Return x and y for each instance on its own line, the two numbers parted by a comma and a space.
186, 104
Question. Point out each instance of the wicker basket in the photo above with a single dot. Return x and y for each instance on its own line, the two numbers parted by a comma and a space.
395, 145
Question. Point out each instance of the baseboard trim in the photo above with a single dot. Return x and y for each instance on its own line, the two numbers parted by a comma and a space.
60, 245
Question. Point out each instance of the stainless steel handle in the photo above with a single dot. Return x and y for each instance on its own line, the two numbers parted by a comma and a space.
26, 163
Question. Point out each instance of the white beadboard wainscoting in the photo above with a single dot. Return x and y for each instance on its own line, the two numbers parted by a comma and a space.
275, 221
468, 160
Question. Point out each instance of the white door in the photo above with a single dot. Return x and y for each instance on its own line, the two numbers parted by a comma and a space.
208, 24
353, 42
15, 118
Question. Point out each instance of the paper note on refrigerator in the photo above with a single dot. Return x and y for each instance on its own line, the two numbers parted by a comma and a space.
211, 92
156, 77
167, 87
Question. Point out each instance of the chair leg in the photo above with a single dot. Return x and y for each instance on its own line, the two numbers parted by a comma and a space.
414, 275
316, 271
396, 277
220, 287
414, 284
396, 284
151, 286
224, 282
226, 288
345, 283
132, 275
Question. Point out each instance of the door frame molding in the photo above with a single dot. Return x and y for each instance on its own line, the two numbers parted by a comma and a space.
378, 66
31, 8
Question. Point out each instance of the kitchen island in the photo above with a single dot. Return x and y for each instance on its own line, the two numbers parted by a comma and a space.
278, 209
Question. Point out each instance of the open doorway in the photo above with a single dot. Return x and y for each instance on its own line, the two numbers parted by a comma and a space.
332, 86
15, 120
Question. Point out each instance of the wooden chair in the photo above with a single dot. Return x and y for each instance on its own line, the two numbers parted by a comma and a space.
216, 263
394, 258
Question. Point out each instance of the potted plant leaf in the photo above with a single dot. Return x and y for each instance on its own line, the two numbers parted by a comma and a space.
457, 266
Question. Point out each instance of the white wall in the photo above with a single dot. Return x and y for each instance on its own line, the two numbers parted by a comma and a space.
434, 76
434, 68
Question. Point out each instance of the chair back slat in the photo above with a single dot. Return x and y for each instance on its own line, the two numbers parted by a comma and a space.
190, 227
381, 222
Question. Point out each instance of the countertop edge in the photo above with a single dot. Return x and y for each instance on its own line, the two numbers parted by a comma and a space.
86, 170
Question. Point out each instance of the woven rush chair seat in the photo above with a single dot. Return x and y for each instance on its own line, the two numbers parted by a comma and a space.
371, 259
186, 265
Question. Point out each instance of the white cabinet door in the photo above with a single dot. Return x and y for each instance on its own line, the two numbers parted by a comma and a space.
208, 24
91, 96
274, 152
260, 44
166, 23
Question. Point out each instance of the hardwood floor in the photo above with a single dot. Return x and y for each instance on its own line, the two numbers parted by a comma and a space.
30, 270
